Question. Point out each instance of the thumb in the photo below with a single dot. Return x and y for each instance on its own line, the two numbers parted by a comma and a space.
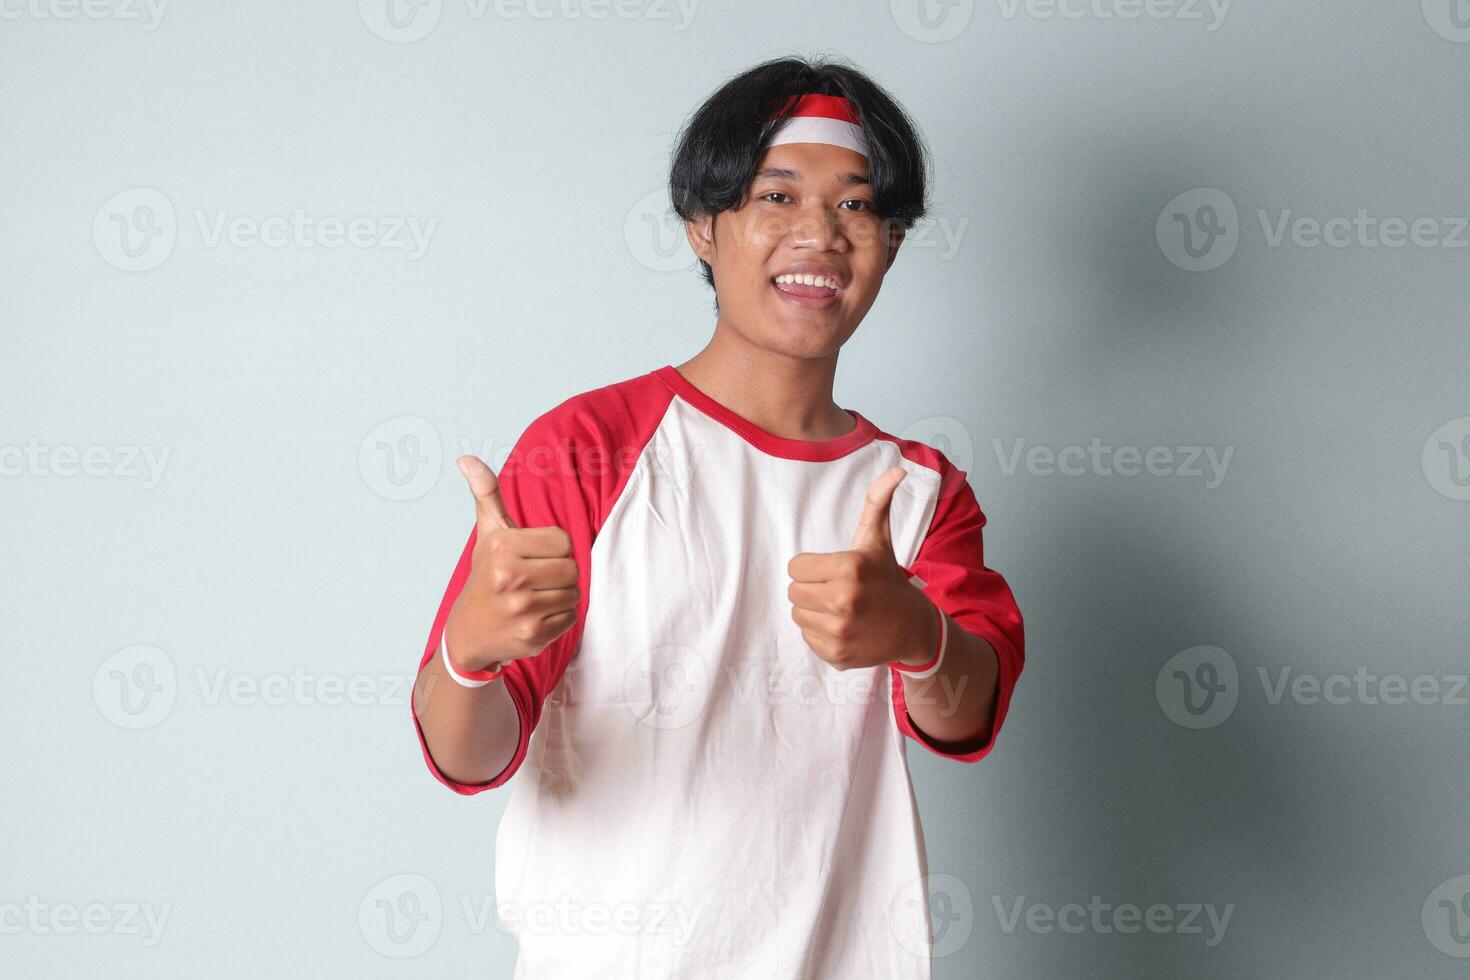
490, 512
873, 530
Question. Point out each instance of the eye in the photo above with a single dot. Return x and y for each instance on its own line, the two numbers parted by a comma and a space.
768, 194
866, 205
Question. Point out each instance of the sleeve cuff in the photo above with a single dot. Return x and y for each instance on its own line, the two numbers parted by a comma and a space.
518, 697
1005, 655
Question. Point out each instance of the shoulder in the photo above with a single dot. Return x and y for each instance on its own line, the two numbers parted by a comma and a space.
589, 443
614, 416
952, 480
955, 511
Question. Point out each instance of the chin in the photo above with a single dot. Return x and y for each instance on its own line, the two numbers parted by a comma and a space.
807, 338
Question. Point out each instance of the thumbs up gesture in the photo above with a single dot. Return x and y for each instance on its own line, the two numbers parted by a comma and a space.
522, 588
857, 608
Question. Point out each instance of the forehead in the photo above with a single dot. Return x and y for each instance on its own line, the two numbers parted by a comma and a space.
811, 162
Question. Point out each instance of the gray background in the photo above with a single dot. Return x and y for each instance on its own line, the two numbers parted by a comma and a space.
312, 399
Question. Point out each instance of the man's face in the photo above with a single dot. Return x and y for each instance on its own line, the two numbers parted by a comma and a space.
808, 211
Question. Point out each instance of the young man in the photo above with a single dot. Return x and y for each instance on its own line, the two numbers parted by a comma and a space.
703, 609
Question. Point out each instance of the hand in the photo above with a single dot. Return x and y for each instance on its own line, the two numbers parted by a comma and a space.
522, 588
857, 608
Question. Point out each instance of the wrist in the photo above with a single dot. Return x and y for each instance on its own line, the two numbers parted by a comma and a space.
464, 635
925, 659
469, 677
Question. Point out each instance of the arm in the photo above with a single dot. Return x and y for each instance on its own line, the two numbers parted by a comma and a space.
959, 711
471, 733
515, 600
954, 708
859, 608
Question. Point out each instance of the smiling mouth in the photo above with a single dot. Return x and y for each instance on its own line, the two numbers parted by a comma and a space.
806, 290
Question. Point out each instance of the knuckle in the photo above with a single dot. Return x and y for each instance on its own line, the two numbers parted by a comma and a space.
502, 577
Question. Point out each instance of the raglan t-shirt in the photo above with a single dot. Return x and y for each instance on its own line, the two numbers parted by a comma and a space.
697, 794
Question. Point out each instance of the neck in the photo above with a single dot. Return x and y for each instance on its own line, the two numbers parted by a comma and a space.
787, 396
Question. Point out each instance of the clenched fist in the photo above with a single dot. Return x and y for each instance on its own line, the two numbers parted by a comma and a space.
522, 588
857, 608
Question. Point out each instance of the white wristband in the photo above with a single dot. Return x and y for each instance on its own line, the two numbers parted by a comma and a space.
933, 668
454, 671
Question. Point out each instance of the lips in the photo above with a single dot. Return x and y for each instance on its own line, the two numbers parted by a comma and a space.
802, 290
811, 284
811, 298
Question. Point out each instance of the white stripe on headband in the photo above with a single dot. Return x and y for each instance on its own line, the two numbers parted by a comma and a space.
821, 129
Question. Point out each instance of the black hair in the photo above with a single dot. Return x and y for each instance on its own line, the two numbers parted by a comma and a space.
719, 146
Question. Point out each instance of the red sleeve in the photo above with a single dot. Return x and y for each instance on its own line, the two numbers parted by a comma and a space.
567, 470
951, 563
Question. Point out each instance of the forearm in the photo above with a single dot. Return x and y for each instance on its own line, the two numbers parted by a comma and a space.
956, 705
471, 732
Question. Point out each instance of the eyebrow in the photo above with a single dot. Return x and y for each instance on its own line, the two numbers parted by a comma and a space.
786, 173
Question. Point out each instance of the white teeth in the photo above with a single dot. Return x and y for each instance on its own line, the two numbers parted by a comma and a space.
809, 280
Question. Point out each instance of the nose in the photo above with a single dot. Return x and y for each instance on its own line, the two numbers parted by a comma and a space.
816, 228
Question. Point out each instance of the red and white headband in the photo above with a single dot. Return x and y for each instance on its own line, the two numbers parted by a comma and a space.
821, 119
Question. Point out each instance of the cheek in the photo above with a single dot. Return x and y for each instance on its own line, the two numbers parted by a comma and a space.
868, 265
743, 252
758, 233
865, 282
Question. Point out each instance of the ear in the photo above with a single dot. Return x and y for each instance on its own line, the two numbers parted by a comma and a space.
896, 233
701, 235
